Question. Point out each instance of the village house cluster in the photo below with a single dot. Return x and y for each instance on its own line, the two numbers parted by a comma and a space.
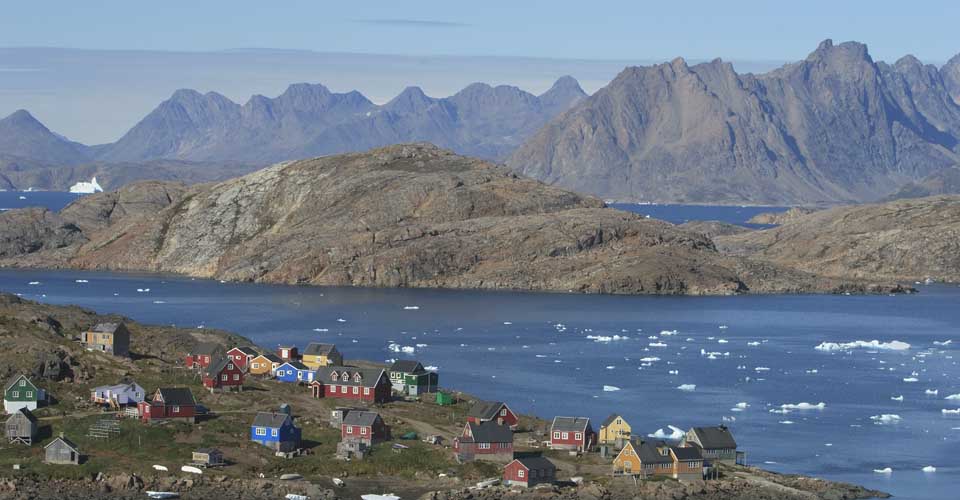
487, 433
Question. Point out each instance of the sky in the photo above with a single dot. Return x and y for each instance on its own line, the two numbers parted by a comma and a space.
137, 53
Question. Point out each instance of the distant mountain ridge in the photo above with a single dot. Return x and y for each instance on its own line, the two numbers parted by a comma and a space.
835, 127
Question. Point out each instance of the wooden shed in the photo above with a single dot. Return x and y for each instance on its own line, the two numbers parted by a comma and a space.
61, 451
208, 457
21, 427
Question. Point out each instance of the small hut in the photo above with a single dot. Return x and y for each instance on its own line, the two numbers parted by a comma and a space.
61, 451
444, 398
21, 427
208, 457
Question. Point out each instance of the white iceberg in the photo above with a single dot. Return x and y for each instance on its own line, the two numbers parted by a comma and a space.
894, 345
430, 368
610, 388
952, 397
742, 405
687, 387
885, 470
911, 380
667, 333
896, 398
945, 342
753, 344
657, 344
929, 469
931, 392
803, 406
675, 434
886, 419
649, 359
786, 422
950, 412
86, 187
411, 308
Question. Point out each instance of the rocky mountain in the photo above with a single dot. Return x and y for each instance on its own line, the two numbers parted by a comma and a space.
946, 181
24, 138
950, 73
401, 216
835, 127
310, 120
900, 240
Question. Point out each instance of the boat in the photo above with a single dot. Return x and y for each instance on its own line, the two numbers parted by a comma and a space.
161, 468
290, 477
488, 482
338, 482
191, 469
388, 496
163, 494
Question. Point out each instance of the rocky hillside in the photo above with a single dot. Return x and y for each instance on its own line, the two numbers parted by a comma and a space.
402, 216
835, 127
901, 240
951, 76
946, 181
781, 217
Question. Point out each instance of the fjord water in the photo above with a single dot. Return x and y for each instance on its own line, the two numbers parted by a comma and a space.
539, 353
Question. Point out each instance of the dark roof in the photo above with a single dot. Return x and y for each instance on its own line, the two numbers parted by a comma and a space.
368, 376
271, 357
105, 327
217, 365
65, 441
689, 453
206, 348
177, 396
489, 432
14, 379
272, 420
649, 454
248, 350
209, 451
297, 365
26, 413
713, 438
361, 418
406, 366
570, 424
485, 410
609, 420
316, 348
536, 463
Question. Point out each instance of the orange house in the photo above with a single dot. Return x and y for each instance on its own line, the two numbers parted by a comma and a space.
646, 459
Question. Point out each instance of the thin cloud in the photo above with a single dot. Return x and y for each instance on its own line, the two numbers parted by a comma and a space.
412, 23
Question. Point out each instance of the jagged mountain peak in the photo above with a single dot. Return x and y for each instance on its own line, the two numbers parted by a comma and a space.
23, 136
411, 100
846, 52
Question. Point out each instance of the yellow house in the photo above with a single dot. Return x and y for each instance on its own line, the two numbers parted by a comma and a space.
264, 364
317, 355
614, 431
628, 461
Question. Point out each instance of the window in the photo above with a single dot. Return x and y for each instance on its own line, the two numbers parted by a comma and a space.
261, 431
230, 365
334, 375
343, 389
356, 390
23, 383
366, 391
224, 377
503, 412
556, 435
29, 394
15, 394
349, 429
484, 446
345, 377
273, 432
176, 409
565, 436
579, 437
357, 378
363, 431
520, 473
236, 376
256, 366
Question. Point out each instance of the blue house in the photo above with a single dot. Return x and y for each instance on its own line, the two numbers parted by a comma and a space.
275, 431
294, 372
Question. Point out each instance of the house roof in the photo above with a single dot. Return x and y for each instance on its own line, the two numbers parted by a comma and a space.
609, 420
650, 454
13, 380
317, 348
536, 463
117, 387
406, 366
577, 424
65, 441
361, 418
272, 420
206, 349
368, 376
177, 396
26, 413
684, 454
712, 438
209, 451
217, 365
296, 365
489, 432
105, 327
485, 410
273, 358
248, 350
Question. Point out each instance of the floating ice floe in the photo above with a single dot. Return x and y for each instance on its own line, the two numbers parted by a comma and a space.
723, 341
610, 388
610, 367
687, 387
321, 329
896, 398
929, 469
508, 322
649, 359
86, 187
159, 302
674, 372
945, 342
761, 369
803, 406
753, 344
931, 392
81, 281
952, 397
894, 345
885, 470
341, 320
411, 308
950, 412
143, 290
34, 283
675, 434
667, 333
722, 327
742, 405
911, 380
657, 344
813, 371
786, 422
886, 419
607, 338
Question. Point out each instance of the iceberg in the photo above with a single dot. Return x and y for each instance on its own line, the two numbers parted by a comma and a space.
786, 422
675, 434
885, 470
931, 392
945, 342
667, 333
894, 345
803, 406
86, 187
929, 469
687, 387
950, 412
896, 398
910, 380
411, 308
652, 359
886, 419
952, 397
753, 344
657, 344
610, 388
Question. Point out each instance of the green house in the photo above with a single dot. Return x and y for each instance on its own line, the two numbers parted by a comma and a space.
19, 392
420, 383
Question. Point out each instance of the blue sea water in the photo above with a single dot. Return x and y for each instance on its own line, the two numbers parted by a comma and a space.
552, 354
54, 200
679, 214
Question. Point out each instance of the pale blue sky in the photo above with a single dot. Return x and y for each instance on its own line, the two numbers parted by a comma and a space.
617, 29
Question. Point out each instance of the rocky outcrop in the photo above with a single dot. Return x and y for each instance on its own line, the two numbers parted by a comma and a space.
712, 228
835, 127
778, 218
402, 216
34, 230
901, 240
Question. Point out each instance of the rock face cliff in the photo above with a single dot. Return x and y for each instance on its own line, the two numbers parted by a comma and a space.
900, 240
835, 127
402, 216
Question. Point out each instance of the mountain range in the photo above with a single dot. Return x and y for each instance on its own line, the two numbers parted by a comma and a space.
836, 127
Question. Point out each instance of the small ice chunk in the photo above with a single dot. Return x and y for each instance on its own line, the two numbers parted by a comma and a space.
896, 398
803, 406
894, 345
885, 470
786, 422
610, 388
952, 397
931, 392
411, 308
929, 469
886, 419
753, 344
950, 412
687, 387
911, 380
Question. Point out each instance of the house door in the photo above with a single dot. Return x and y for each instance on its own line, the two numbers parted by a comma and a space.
316, 391
628, 467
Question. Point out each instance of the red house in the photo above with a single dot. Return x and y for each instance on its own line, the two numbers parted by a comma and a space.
572, 433
346, 382
169, 403
203, 354
242, 356
288, 353
486, 441
223, 374
364, 426
492, 411
529, 472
